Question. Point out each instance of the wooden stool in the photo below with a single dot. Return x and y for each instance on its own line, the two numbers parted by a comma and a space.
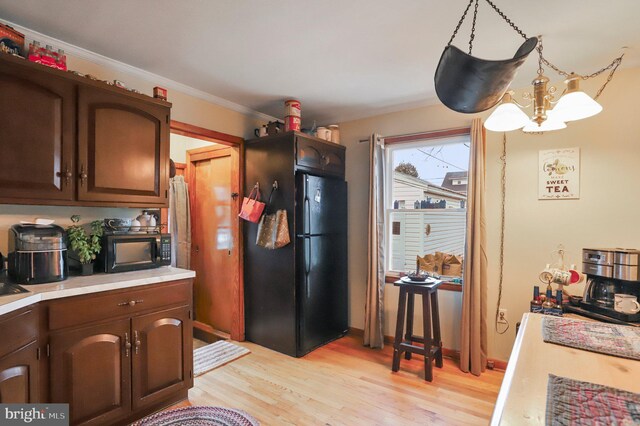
432, 344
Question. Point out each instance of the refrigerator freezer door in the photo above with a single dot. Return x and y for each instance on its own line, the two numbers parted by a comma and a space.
322, 205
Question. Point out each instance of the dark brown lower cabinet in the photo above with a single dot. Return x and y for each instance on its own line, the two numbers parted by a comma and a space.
91, 371
19, 376
161, 361
115, 365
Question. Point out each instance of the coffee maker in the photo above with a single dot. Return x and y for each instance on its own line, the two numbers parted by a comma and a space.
610, 272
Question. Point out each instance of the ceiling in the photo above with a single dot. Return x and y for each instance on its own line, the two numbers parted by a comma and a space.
343, 59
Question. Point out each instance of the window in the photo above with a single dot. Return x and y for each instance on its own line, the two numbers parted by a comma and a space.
426, 192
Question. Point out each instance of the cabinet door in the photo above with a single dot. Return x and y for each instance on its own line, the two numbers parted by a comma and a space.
90, 369
37, 136
123, 149
163, 355
19, 376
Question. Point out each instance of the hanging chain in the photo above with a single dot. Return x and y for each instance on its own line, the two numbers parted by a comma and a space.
539, 49
455, 32
613, 66
503, 160
503, 16
617, 63
473, 27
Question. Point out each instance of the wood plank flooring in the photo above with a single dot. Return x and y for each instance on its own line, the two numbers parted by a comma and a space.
344, 383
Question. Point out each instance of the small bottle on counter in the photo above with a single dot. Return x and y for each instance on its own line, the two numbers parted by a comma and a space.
558, 299
548, 303
536, 296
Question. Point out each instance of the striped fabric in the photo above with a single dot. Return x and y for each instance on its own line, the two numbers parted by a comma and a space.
214, 355
199, 416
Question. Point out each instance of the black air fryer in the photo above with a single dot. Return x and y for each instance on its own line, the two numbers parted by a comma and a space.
37, 254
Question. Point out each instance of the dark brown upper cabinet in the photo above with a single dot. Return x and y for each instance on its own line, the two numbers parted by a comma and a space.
37, 136
123, 149
121, 140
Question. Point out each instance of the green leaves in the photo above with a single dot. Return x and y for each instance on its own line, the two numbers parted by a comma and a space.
85, 246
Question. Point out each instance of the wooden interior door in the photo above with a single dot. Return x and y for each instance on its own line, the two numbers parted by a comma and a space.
214, 184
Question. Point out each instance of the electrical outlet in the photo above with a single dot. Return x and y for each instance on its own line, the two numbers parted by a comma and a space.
502, 316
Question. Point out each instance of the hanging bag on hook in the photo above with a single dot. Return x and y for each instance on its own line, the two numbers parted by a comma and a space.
273, 230
252, 207
468, 84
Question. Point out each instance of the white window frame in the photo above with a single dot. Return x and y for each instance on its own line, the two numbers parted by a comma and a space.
388, 184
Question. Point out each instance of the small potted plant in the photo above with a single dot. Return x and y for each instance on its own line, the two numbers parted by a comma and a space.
84, 247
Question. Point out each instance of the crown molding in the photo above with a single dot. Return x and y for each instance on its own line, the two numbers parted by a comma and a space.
116, 65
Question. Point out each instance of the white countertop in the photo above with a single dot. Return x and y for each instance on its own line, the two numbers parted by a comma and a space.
75, 286
523, 395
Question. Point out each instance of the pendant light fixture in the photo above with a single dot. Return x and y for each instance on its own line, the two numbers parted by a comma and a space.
507, 116
575, 104
549, 114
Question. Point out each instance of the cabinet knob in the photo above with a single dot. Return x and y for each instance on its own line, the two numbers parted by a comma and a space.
127, 344
67, 175
136, 341
131, 303
83, 175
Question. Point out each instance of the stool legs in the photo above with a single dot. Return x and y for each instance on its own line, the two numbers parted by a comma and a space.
437, 339
426, 321
402, 303
409, 334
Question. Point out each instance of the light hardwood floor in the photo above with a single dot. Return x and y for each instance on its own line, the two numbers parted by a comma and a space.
344, 383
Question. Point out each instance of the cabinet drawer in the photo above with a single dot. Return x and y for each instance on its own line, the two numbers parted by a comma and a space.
81, 310
320, 156
17, 329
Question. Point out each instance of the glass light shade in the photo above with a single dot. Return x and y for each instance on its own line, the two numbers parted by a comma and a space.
505, 118
576, 106
551, 123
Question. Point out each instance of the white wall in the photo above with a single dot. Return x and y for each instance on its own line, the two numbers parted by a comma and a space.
605, 215
181, 144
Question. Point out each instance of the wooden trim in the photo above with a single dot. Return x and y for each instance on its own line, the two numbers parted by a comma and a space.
189, 130
447, 285
449, 353
207, 333
192, 131
180, 166
437, 134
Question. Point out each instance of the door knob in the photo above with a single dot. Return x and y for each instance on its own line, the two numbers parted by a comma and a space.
197, 249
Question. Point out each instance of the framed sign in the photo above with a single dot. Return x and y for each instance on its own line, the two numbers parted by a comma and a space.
559, 174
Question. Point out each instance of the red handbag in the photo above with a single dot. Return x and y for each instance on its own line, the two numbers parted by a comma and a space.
252, 207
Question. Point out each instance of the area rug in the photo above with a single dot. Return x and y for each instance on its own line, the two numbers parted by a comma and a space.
572, 402
610, 339
214, 355
199, 416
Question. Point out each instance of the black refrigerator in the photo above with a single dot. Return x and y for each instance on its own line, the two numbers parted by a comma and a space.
296, 297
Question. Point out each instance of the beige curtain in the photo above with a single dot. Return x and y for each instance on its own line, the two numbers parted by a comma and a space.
473, 351
374, 304
179, 223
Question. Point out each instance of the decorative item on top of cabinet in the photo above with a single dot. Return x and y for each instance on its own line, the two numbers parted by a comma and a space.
122, 141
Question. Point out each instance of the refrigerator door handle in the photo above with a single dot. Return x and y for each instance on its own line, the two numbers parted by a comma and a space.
307, 214
307, 264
